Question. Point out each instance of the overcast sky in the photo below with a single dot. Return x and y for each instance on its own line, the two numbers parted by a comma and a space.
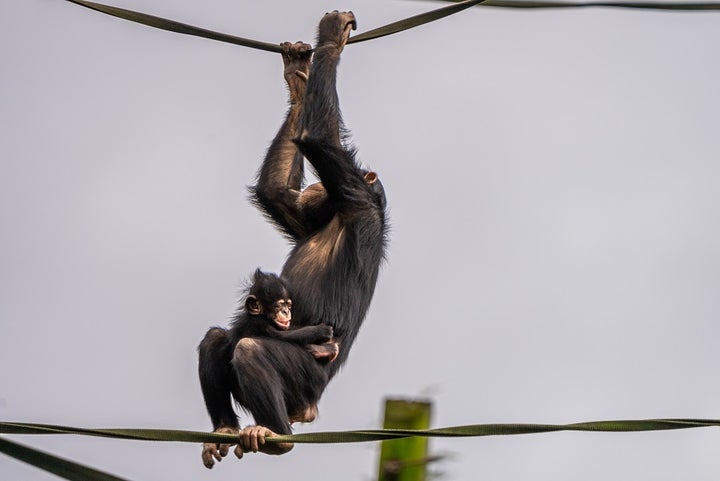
552, 178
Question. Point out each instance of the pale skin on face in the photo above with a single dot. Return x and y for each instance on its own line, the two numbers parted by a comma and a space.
280, 313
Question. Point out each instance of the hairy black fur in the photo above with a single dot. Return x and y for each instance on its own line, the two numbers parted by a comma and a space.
269, 364
338, 229
334, 286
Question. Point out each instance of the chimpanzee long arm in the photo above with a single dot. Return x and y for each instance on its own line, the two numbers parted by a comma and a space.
281, 175
321, 118
321, 121
343, 180
278, 190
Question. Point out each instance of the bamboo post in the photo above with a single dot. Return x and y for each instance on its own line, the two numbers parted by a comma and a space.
405, 459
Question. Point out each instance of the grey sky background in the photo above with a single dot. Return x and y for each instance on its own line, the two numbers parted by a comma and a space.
555, 252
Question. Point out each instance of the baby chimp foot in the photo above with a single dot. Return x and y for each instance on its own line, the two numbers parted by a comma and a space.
327, 352
216, 451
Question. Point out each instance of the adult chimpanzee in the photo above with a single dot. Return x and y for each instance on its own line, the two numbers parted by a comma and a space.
338, 228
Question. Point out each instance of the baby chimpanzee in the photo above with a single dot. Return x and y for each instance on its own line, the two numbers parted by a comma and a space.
268, 314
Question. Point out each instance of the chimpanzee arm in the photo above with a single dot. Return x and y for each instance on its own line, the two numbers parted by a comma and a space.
279, 191
342, 178
281, 175
321, 113
317, 334
320, 138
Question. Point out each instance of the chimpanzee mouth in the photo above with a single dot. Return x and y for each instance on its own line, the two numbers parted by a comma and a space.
282, 324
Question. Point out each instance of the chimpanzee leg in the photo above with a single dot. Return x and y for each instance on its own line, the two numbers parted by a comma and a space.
321, 118
216, 379
281, 175
260, 385
277, 383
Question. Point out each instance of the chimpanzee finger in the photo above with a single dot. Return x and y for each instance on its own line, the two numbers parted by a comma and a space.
208, 453
262, 432
238, 451
258, 437
224, 448
249, 439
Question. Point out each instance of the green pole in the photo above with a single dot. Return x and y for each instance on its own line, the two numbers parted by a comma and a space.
405, 459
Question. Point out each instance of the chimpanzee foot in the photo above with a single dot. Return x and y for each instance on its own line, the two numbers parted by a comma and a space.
296, 58
252, 439
326, 352
334, 29
214, 451
308, 415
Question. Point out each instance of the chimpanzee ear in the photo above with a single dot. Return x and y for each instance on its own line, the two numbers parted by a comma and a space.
253, 306
257, 275
371, 178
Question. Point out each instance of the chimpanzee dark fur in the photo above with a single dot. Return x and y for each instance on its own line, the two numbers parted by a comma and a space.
338, 228
268, 288
218, 376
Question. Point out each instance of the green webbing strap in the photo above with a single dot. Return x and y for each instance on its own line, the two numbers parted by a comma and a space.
689, 6
77, 472
365, 435
178, 27
59, 466
415, 21
395, 27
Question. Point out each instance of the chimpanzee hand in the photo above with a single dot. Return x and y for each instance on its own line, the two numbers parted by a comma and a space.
252, 439
325, 332
296, 58
334, 29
